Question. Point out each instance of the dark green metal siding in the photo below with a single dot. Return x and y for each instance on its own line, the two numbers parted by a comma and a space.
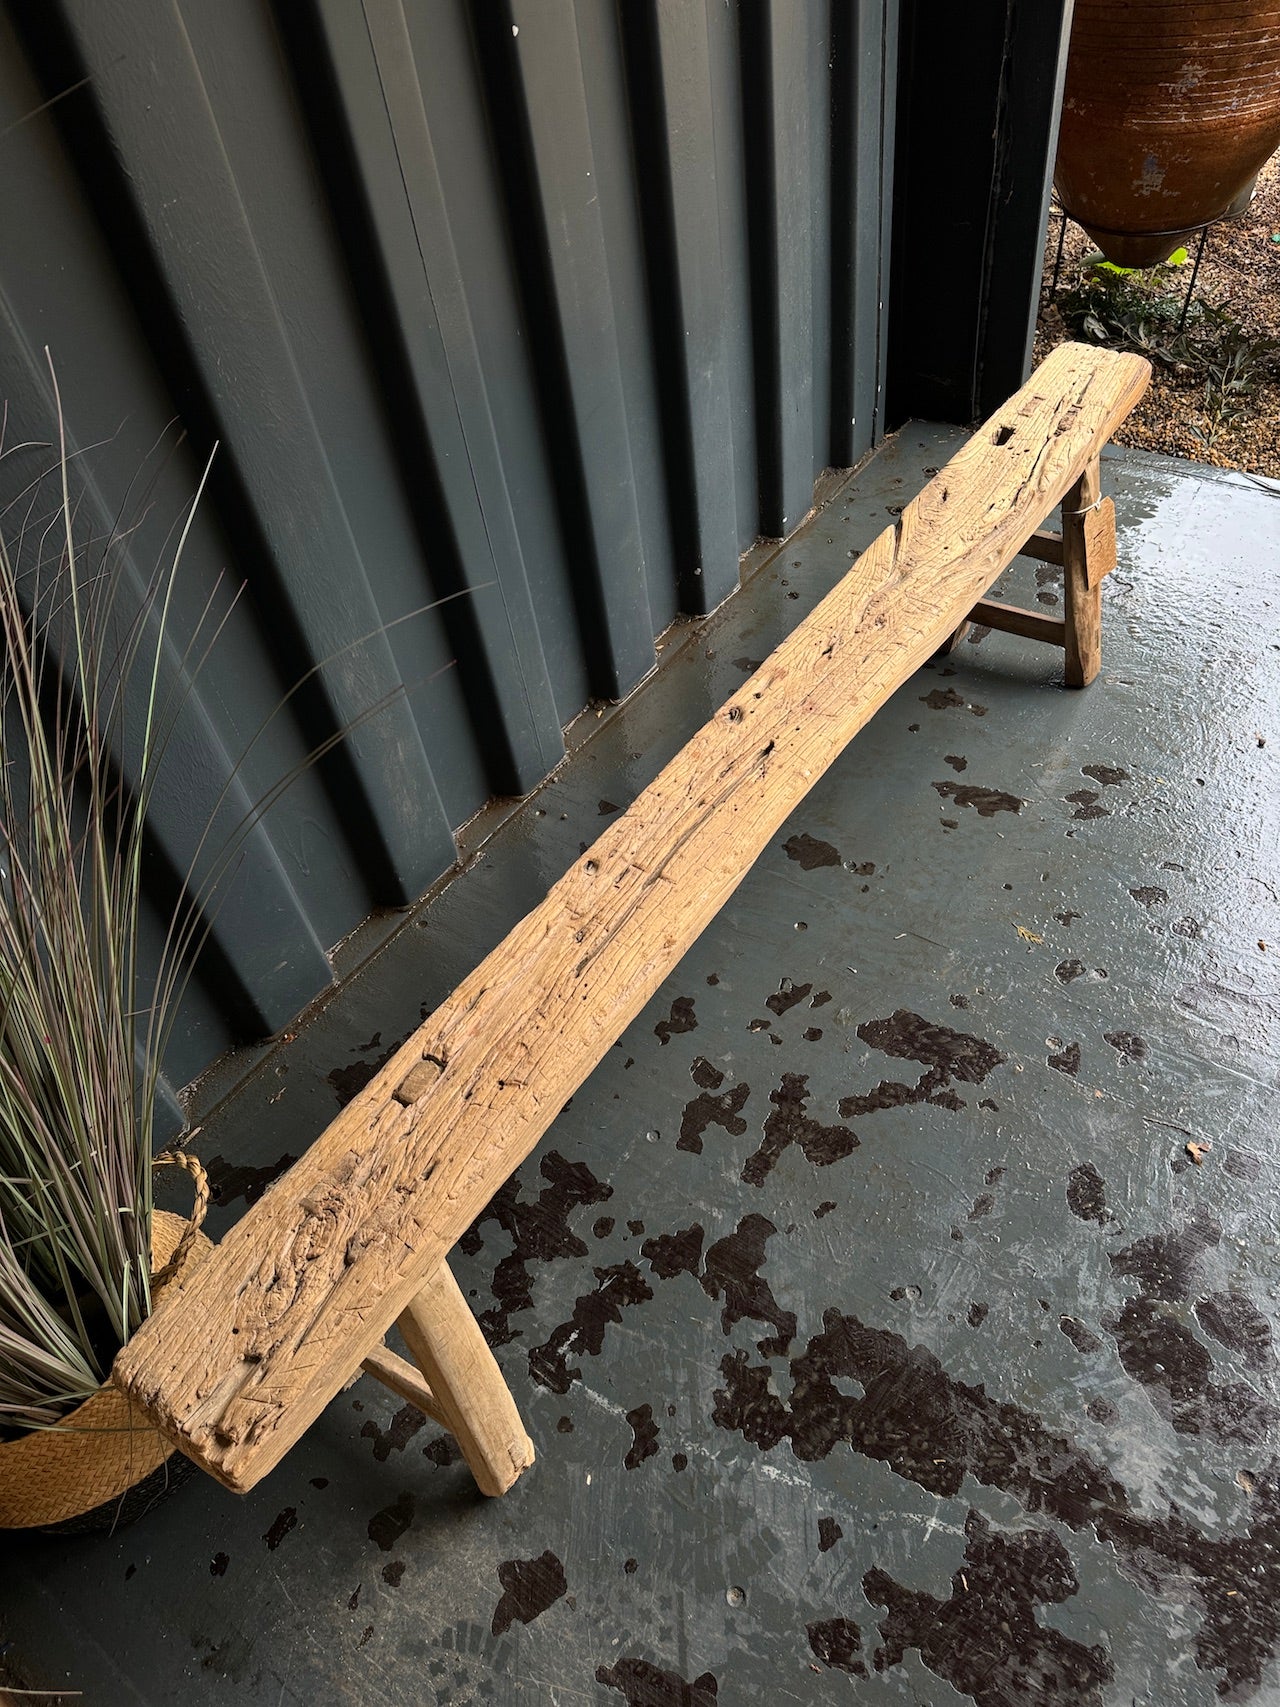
553, 307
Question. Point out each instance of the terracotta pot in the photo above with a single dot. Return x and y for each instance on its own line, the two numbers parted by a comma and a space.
104, 1464
1171, 107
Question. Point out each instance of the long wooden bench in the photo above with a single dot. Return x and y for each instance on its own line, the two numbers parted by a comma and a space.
300, 1294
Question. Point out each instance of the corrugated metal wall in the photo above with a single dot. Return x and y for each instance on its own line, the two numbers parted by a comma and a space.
546, 308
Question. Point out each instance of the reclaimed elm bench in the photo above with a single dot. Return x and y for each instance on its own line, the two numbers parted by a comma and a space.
249, 1346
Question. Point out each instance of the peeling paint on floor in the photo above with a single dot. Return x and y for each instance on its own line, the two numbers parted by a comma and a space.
879, 1336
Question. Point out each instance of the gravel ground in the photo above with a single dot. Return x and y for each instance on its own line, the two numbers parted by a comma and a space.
1241, 268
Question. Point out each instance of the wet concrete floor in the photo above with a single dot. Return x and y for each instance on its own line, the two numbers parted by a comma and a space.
880, 1339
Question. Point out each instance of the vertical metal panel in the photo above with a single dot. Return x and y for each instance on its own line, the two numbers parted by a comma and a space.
534, 312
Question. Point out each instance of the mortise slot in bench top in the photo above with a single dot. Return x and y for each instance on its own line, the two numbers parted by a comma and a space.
249, 1347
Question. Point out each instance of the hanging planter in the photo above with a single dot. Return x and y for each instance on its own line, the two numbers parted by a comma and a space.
1170, 110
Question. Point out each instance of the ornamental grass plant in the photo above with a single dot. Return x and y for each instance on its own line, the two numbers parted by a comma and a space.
80, 1051
93, 681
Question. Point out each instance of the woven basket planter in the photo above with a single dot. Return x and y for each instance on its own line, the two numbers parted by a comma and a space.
104, 1464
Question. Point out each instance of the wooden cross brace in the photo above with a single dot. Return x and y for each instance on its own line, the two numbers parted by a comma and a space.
1085, 550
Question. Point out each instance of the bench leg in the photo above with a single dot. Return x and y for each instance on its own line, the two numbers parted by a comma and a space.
953, 640
471, 1397
1082, 580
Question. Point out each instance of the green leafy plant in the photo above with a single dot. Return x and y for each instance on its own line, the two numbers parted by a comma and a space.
1207, 347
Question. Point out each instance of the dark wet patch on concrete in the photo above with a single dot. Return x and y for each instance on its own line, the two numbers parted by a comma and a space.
529, 1587
732, 1273
606, 807
942, 699
824, 1208
1236, 1322
539, 1232
392, 1572
1066, 916
957, 761
1086, 803
1166, 1358
986, 802
1150, 895
985, 1640
809, 853
617, 1288
933, 1429
1127, 1043
747, 665
977, 1314
820, 999
644, 1431
1068, 970
704, 1074
786, 997
281, 1524
404, 1425
643, 1684
443, 1451
681, 1018
954, 1054
1243, 1164
829, 1532
1066, 1060
837, 1642
711, 1108
1167, 1265
945, 1053
670, 1254
1110, 776
231, 1180
386, 1527
1084, 1339
926, 1426
218, 1564
982, 1206
348, 1080
1087, 1192
1234, 1581
790, 1124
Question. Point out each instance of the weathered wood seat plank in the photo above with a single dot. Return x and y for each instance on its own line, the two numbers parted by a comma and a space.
252, 1345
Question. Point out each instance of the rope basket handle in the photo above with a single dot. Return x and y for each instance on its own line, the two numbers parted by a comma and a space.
199, 1209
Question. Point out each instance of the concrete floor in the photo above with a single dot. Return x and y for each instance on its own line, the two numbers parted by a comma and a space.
879, 1338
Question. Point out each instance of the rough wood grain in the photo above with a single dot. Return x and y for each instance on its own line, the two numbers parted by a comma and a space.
1081, 595
1013, 619
259, 1338
473, 1401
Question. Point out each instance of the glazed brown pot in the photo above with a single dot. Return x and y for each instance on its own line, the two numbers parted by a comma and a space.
1171, 107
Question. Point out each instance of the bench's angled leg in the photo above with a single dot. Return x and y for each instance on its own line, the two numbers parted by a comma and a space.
953, 639
471, 1397
1082, 581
